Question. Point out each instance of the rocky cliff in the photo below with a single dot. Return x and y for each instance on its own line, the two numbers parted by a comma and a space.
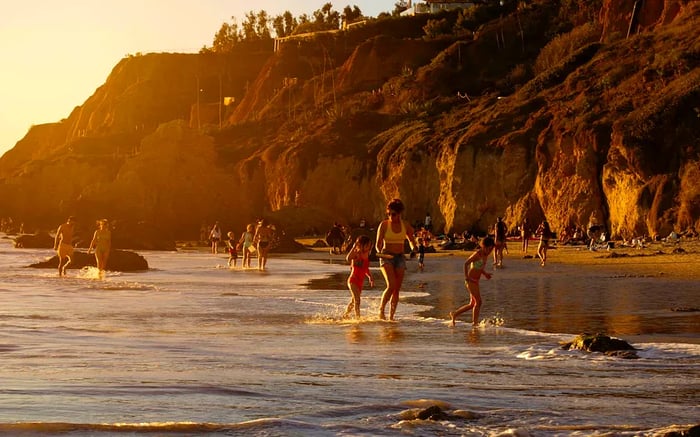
462, 126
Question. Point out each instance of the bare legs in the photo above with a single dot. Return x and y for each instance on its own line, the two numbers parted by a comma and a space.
355, 294
498, 255
394, 279
542, 253
474, 304
63, 266
101, 257
262, 257
246, 258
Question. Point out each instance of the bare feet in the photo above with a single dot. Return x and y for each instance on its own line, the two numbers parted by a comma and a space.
382, 316
452, 316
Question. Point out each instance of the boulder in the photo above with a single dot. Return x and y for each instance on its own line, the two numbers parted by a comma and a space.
601, 343
432, 413
41, 240
119, 261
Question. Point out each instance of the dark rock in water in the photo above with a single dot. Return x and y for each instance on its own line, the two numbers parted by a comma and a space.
601, 343
432, 413
41, 240
685, 309
678, 250
119, 261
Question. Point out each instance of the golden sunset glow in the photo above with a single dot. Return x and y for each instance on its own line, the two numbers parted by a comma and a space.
55, 54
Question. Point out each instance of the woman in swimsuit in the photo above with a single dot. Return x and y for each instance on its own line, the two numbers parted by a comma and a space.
358, 257
215, 237
391, 235
473, 269
263, 237
102, 242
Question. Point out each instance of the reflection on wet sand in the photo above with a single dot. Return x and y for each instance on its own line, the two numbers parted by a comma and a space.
390, 333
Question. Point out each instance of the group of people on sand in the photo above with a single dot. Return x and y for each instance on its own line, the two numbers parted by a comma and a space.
543, 231
101, 243
255, 239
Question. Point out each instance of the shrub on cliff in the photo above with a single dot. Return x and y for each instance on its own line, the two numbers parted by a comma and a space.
558, 49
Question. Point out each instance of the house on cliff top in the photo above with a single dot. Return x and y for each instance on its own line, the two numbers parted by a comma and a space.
435, 6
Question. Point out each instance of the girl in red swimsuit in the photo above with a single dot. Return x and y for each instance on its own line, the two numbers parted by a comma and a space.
359, 268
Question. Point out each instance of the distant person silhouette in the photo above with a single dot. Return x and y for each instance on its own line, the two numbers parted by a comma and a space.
63, 245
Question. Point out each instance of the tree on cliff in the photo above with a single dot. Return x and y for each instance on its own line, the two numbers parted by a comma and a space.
351, 14
284, 24
227, 37
259, 26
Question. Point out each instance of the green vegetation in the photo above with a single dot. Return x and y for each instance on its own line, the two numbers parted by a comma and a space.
261, 27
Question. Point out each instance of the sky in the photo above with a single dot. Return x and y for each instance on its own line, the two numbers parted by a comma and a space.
56, 53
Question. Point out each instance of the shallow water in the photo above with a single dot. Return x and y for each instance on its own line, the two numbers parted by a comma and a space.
192, 347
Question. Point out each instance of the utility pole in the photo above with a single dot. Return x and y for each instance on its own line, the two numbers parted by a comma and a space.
199, 91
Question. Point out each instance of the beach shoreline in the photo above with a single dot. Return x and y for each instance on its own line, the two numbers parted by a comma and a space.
614, 282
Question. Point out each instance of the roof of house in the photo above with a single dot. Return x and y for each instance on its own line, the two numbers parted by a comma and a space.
450, 1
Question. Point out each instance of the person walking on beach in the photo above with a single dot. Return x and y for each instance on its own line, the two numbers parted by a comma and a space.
500, 230
525, 235
232, 251
246, 243
421, 253
215, 237
263, 238
545, 233
358, 257
63, 245
102, 242
473, 270
391, 235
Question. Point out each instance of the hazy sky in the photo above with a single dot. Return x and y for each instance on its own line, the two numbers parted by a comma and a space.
55, 53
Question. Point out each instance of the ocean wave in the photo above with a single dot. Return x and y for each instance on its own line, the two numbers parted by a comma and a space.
284, 426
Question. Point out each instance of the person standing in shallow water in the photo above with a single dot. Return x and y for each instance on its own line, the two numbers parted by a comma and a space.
358, 257
63, 245
500, 230
391, 235
102, 242
525, 234
545, 234
215, 237
473, 270
263, 238
246, 243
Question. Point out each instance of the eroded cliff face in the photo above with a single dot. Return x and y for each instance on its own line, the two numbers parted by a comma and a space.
611, 133
616, 15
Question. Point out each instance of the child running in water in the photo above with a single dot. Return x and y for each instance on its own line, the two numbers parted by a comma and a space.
359, 268
232, 252
473, 269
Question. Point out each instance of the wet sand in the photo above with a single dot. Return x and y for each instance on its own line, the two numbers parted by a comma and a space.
640, 294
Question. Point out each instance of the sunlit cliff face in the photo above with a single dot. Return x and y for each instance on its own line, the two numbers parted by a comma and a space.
597, 134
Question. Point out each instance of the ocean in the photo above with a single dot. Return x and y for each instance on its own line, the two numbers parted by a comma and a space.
192, 347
